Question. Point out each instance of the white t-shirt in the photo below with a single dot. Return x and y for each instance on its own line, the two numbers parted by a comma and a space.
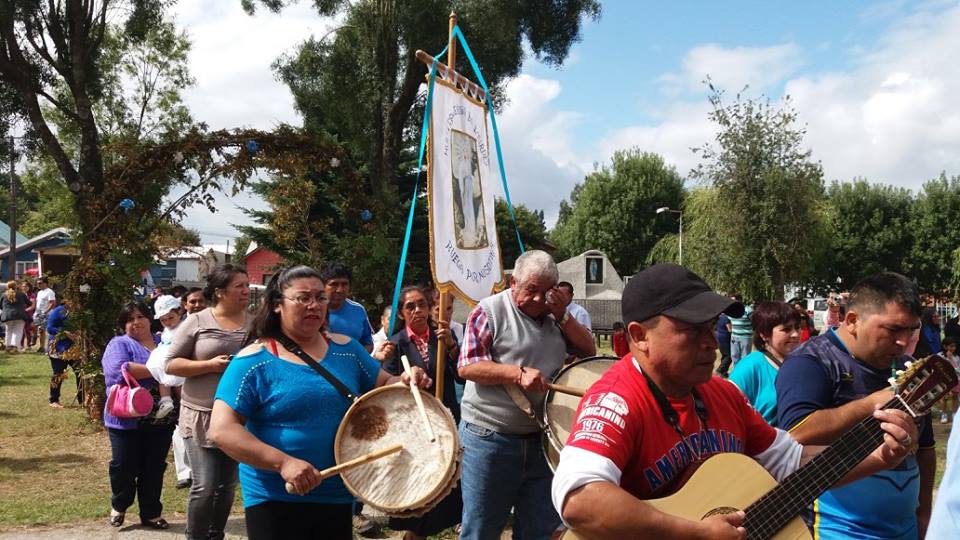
45, 298
579, 313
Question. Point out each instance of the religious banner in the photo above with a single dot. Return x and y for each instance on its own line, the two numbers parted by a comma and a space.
464, 249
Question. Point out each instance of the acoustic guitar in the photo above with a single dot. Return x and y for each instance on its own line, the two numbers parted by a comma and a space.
772, 510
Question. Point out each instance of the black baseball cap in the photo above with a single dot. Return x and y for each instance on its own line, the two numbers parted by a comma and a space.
674, 291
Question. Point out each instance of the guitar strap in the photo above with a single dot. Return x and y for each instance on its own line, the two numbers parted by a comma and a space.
670, 414
292, 346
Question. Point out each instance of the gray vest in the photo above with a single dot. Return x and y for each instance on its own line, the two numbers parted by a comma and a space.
520, 341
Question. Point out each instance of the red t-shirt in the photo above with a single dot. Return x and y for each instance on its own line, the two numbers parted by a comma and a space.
619, 419
620, 347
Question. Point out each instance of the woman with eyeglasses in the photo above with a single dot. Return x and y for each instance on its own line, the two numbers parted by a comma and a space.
200, 351
418, 337
278, 417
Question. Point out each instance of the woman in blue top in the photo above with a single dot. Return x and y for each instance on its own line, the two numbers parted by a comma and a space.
279, 418
776, 333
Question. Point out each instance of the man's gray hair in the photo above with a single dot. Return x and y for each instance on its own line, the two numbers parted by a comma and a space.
535, 263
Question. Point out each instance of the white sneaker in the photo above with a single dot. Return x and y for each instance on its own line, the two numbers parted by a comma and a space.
165, 408
943, 418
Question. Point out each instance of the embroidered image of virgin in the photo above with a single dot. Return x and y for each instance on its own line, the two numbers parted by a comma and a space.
469, 218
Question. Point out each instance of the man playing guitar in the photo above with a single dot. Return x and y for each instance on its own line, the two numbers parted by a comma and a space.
658, 412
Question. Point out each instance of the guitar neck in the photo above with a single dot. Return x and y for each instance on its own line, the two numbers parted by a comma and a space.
771, 512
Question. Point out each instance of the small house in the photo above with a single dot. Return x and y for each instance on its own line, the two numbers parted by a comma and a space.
188, 266
261, 264
28, 254
596, 286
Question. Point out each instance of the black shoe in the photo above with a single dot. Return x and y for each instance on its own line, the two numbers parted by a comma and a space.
116, 518
183, 484
158, 523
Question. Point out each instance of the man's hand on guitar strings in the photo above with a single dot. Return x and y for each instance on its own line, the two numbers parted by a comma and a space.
900, 435
724, 526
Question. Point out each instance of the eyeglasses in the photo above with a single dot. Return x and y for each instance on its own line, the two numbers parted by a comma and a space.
412, 306
306, 300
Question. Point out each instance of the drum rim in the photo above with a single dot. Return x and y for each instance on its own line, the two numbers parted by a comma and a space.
447, 473
549, 437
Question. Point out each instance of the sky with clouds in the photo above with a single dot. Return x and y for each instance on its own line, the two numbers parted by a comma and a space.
871, 81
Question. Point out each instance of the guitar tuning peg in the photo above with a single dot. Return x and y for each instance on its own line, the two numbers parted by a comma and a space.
899, 372
892, 381
908, 364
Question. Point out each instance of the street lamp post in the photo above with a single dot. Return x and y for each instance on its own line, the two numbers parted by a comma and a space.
663, 209
12, 254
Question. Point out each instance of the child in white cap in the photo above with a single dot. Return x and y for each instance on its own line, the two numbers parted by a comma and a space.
167, 310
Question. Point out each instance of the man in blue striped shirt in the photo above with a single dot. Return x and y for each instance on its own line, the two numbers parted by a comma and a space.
741, 333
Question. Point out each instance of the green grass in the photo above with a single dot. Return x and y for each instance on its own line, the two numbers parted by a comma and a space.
53, 462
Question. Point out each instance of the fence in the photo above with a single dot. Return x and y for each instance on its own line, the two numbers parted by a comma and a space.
603, 313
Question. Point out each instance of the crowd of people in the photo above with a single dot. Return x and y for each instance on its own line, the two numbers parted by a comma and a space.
255, 396
24, 308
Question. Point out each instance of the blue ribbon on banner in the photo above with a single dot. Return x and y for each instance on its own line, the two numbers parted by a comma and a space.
416, 188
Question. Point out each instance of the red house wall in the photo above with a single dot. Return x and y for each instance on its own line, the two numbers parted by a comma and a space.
261, 262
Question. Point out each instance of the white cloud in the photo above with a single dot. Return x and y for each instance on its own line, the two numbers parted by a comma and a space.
733, 67
230, 58
893, 117
539, 154
685, 126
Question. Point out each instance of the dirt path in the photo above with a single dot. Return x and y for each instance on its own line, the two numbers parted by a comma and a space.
130, 531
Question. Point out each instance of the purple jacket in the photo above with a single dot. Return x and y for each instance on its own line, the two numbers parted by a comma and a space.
123, 349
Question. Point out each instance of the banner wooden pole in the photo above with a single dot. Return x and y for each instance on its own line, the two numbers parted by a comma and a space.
441, 348
452, 45
427, 59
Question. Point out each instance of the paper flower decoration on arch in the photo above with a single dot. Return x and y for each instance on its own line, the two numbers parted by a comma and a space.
127, 205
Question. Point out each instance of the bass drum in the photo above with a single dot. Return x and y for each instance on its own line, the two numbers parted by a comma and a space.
559, 409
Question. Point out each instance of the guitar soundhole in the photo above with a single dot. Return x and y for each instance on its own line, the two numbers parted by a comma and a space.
723, 510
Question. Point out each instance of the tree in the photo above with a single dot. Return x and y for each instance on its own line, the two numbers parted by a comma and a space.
615, 210
530, 223
767, 199
936, 234
869, 231
240, 248
68, 64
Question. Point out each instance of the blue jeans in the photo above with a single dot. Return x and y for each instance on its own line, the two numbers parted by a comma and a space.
740, 347
503, 471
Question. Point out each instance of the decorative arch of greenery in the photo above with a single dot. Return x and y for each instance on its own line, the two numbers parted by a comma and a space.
115, 246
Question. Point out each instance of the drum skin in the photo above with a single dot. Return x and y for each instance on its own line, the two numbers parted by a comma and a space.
559, 409
412, 481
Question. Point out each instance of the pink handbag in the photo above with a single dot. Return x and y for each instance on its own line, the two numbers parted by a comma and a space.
127, 399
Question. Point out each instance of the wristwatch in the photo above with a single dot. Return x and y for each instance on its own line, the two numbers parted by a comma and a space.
566, 317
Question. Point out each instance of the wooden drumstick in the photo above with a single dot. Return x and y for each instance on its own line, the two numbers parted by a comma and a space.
566, 389
416, 397
355, 462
